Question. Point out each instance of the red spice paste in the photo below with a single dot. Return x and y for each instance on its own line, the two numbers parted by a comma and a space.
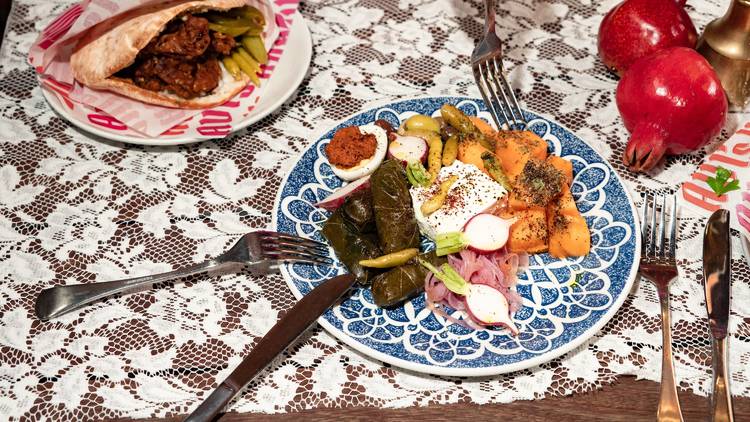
349, 146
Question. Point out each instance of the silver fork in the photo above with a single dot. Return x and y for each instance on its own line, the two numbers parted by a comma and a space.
658, 265
258, 250
489, 74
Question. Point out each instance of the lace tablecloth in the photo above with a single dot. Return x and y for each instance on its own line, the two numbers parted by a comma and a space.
76, 209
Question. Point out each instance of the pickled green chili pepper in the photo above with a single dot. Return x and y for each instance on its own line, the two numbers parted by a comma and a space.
436, 202
493, 167
254, 44
463, 124
248, 58
232, 67
246, 67
435, 145
390, 260
450, 151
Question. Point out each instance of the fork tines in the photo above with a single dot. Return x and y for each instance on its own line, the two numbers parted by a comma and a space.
283, 237
286, 247
497, 93
653, 235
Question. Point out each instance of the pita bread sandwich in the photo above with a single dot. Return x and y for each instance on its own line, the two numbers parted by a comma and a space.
193, 54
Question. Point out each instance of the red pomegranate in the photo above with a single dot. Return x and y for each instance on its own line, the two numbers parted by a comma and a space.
636, 28
672, 102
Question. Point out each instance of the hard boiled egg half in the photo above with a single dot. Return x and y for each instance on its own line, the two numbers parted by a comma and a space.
368, 165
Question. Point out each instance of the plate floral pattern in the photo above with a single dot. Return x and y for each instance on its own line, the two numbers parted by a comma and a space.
564, 301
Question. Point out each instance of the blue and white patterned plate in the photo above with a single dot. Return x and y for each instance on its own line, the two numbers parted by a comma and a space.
564, 301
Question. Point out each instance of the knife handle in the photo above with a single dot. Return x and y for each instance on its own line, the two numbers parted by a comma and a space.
721, 399
213, 405
279, 337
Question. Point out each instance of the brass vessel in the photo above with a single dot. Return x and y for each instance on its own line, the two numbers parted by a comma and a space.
725, 43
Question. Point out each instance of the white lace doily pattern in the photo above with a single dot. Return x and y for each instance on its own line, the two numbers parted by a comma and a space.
74, 209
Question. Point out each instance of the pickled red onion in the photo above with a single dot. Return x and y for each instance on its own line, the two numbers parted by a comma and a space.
497, 270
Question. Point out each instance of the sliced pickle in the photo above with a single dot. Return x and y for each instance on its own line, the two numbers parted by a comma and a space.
232, 31
246, 13
254, 44
254, 30
253, 14
240, 22
245, 20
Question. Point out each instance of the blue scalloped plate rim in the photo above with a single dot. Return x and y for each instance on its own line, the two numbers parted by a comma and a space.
408, 337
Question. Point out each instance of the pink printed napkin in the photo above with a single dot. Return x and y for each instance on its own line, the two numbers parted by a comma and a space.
733, 155
50, 55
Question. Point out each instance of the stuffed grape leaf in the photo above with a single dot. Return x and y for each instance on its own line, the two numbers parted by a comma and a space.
394, 216
403, 282
350, 232
358, 211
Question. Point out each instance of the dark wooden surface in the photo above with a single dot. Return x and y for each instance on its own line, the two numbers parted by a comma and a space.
628, 400
4, 10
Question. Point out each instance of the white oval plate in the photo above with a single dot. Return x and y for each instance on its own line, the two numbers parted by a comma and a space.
290, 72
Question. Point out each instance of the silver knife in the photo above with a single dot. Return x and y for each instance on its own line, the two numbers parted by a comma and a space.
279, 337
717, 275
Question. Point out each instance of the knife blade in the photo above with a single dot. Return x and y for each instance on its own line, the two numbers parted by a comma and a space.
717, 275
279, 337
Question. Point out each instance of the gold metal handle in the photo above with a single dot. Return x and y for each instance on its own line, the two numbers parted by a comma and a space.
721, 398
669, 402
725, 43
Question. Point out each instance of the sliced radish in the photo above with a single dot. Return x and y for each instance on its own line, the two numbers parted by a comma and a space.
337, 198
485, 233
488, 306
408, 148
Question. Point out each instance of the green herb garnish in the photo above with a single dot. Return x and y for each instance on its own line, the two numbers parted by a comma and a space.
449, 276
448, 243
575, 282
417, 174
721, 183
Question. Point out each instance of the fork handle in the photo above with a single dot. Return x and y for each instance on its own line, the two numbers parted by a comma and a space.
59, 300
489, 21
669, 401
